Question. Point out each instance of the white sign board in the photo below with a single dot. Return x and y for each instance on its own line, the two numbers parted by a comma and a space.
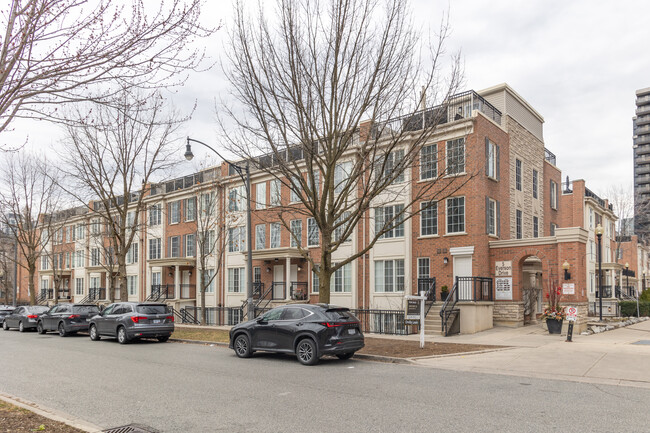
571, 314
568, 289
503, 289
503, 269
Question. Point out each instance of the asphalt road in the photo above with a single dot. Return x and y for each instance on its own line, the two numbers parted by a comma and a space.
177, 387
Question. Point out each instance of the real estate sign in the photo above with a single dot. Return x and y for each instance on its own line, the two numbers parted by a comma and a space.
412, 312
503, 288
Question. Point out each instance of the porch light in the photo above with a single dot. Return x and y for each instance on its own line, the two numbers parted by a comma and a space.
299, 268
268, 269
445, 260
566, 266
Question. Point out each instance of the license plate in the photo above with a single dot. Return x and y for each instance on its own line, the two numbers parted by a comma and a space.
352, 331
156, 321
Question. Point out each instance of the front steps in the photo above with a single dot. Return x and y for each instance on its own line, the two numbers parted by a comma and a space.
433, 323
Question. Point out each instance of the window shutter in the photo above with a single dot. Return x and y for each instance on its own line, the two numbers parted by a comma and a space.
497, 161
487, 215
498, 219
487, 156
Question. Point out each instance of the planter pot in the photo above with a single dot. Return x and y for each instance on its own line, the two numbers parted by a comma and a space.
554, 326
443, 296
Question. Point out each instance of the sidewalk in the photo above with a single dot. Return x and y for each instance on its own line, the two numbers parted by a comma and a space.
607, 358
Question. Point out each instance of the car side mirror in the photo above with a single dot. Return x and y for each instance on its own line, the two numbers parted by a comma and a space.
261, 320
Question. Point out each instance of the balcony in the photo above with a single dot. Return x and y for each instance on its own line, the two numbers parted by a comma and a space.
642, 100
458, 107
549, 156
643, 110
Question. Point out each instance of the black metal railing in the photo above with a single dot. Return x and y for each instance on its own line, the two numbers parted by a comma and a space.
161, 292
298, 290
474, 289
610, 308
214, 316
258, 289
448, 312
261, 303
383, 321
64, 294
278, 290
97, 294
42, 297
458, 107
188, 291
550, 156
607, 292
428, 286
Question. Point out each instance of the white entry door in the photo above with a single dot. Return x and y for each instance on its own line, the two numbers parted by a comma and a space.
185, 285
278, 279
463, 268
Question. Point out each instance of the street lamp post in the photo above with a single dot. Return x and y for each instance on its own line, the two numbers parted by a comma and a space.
245, 174
599, 234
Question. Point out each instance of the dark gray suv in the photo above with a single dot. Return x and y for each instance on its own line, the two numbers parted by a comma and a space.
66, 318
130, 320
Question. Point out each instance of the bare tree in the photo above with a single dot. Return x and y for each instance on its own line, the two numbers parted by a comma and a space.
316, 95
210, 239
62, 51
28, 195
108, 156
56, 249
621, 199
7, 267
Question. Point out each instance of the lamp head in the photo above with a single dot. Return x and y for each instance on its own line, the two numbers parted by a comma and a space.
566, 266
188, 150
627, 266
599, 230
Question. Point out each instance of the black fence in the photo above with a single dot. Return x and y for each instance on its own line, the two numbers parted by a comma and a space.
474, 289
216, 316
383, 321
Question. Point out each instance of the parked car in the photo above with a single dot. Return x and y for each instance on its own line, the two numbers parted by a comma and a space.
23, 318
307, 330
5, 310
129, 320
66, 318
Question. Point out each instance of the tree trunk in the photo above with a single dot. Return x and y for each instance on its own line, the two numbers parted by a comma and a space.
111, 288
124, 292
31, 286
203, 311
57, 283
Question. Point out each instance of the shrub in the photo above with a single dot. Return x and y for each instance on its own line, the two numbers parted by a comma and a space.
628, 308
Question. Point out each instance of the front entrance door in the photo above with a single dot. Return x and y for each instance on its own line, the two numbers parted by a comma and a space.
185, 285
463, 268
278, 280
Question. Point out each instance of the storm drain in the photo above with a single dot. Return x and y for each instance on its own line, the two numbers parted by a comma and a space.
644, 342
132, 428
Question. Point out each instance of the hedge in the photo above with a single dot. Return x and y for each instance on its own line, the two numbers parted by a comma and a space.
628, 308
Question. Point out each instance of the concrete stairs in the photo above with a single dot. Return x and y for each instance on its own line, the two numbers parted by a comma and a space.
433, 323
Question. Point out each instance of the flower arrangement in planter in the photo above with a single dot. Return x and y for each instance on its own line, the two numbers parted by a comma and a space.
554, 313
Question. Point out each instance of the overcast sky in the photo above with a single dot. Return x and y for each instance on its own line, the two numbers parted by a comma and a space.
578, 63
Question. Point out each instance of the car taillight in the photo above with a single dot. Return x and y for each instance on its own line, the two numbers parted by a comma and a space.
170, 318
137, 319
335, 324
73, 316
33, 316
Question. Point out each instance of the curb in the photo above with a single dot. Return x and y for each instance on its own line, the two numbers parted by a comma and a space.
52, 414
359, 356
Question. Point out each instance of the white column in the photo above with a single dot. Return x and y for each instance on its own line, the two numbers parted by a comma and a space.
177, 282
287, 278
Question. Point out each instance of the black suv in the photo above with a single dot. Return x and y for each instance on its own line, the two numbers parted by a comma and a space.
307, 330
66, 318
131, 320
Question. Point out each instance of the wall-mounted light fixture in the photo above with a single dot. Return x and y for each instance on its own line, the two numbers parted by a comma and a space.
170, 274
445, 260
566, 266
268, 269
189, 273
299, 268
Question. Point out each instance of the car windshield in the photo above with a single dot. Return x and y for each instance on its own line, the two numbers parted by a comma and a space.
340, 314
85, 309
151, 309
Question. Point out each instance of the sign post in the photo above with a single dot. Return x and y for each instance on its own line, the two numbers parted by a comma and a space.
415, 313
571, 314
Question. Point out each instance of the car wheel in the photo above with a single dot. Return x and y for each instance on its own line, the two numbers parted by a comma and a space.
242, 346
21, 328
306, 352
5, 326
121, 335
92, 332
345, 355
39, 328
62, 332
163, 339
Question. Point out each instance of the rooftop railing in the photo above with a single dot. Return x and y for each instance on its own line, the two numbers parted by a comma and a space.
549, 156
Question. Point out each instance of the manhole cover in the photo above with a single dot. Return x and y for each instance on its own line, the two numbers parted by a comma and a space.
132, 428
645, 342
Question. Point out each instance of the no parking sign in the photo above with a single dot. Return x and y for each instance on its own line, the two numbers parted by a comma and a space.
571, 314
